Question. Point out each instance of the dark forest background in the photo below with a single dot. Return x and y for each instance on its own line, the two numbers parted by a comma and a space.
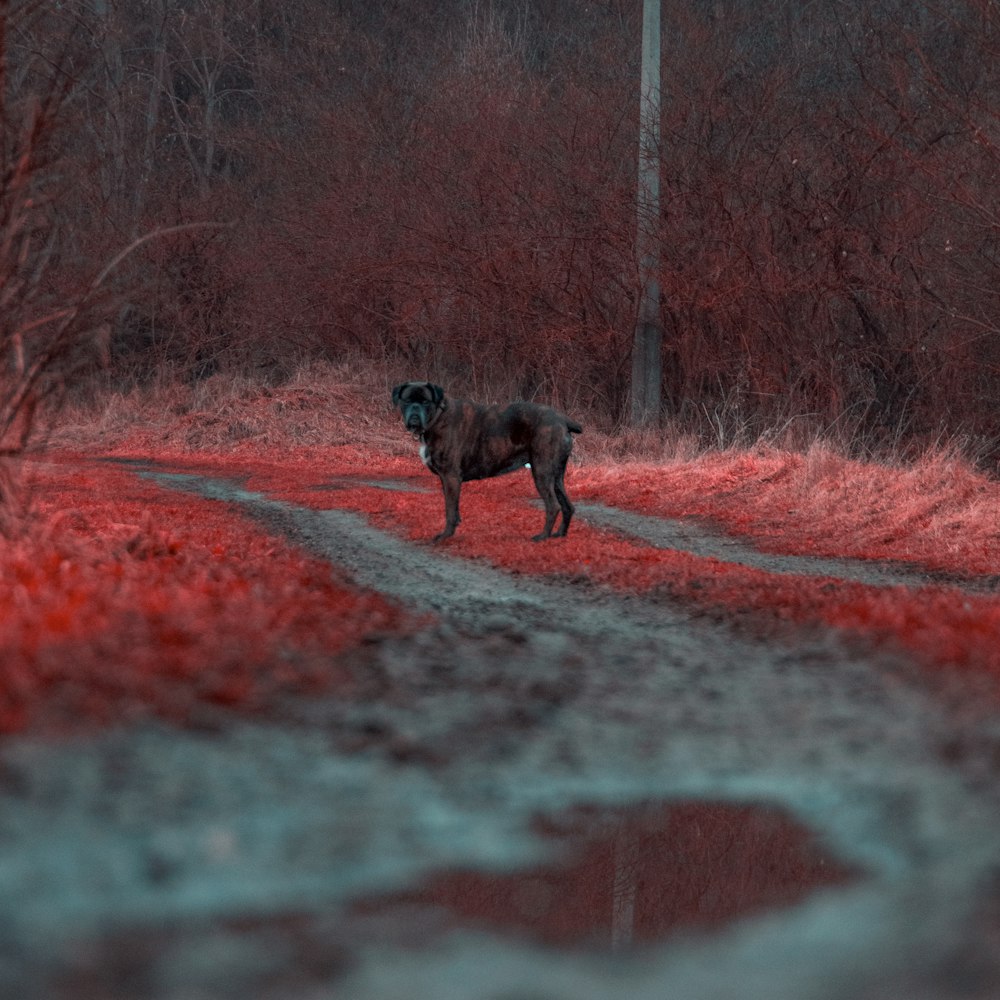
446, 188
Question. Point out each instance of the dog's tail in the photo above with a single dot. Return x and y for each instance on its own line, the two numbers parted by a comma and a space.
573, 427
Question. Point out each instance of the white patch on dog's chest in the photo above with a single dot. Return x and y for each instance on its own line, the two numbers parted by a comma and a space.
424, 457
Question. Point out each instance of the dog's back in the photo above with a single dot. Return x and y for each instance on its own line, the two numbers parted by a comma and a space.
534, 416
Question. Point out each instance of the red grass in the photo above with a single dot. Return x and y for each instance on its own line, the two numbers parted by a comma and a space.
108, 610
939, 625
939, 512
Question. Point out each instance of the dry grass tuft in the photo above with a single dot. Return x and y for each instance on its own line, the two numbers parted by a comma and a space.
938, 511
321, 404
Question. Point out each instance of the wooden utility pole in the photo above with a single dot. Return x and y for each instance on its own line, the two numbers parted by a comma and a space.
646, 347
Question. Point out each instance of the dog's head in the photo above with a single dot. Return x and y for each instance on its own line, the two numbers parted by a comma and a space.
420, 403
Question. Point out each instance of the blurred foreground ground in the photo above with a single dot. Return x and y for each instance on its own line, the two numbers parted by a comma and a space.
543, 786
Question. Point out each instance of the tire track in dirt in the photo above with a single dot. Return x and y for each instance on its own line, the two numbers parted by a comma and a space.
689, 536
534, 695
672, 533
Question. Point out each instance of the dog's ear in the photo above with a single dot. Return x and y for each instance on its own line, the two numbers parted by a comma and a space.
397, 394
437, 393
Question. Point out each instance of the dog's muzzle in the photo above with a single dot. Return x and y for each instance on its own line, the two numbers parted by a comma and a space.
413, 417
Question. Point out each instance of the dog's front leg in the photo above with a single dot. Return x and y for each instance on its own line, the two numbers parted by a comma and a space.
452, 486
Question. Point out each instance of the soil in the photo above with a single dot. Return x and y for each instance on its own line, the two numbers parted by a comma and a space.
230, 860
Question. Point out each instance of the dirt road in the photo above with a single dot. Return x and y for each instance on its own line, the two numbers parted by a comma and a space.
233, 861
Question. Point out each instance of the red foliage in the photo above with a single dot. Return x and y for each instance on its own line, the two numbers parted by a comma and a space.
940, 625
110, 612
938, 512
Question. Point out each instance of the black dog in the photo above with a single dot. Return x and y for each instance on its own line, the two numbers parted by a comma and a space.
462, 441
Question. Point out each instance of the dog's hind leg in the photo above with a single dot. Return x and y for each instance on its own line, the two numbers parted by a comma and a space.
565, 505
546, 487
